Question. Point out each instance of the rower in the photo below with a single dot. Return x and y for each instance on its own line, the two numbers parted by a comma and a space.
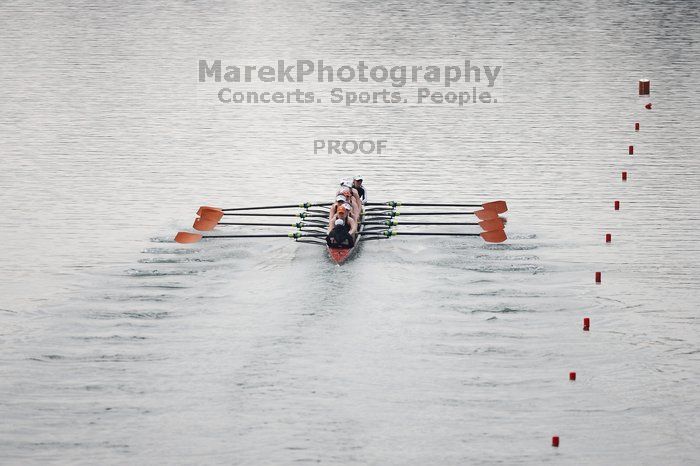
349, 183
342, 229
339, 200
357, 184
353, 198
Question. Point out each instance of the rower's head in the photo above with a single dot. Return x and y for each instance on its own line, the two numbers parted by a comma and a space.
346, 183
339, 222
340, 199
357, 181
342, 211
345, 191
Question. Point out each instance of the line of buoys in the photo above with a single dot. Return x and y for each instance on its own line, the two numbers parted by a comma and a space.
644, 90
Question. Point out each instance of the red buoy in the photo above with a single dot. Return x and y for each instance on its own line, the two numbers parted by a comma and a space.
608, 238
624, 176
636, 126
572, 376
644, 87
586, 324
630, 150
617, 205
648, 106
555, 441
598, 277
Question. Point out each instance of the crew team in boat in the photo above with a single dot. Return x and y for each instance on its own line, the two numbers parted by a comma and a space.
345, 214
348, 220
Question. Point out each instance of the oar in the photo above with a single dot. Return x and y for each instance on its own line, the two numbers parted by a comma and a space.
214, 216
297, 214
209, 213
481, 214
497, 236
208, 225
497, 206
207, 207
204, 225
185, 237
304, 205
486, 225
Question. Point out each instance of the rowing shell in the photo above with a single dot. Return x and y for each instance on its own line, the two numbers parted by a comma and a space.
340, 255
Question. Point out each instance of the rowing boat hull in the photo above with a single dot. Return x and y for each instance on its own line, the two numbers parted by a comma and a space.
339, 255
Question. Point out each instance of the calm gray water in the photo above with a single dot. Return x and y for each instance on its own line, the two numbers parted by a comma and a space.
120, 346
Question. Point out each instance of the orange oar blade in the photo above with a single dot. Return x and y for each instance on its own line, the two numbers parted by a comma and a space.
491, 225
199, 212
486, 214
204, 225
497, 236
497, 206
211, 214
184, 237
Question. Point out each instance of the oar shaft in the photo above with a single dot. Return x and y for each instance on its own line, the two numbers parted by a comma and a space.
423, 223
403, 214
411, 233
308, 235
421, 204
305, 224
418, 233
258, 224
297, 214
305, 205
262, 214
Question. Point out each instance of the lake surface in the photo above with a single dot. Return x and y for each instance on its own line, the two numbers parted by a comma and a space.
121, 346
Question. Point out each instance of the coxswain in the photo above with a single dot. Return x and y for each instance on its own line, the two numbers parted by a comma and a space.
342, 229
357, 184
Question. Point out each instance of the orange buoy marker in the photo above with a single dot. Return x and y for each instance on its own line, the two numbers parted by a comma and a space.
572, 376
555, 441
644, 87
608, 238
630, 150
636, 126
586, 324
617, 205
648, 106
598, 277
624, 176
